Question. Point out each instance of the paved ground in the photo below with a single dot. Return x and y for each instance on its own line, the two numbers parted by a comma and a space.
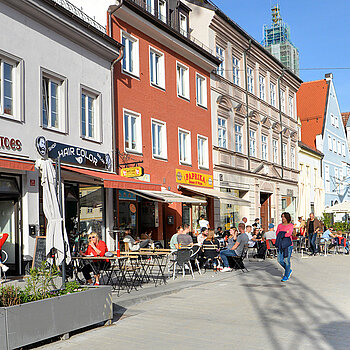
239, 311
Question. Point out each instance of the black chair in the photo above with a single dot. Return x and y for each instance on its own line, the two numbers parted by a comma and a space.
210, 256
195, 255
236, 262
183, 258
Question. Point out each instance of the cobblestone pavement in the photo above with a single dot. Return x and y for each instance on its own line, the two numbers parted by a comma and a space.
251, 311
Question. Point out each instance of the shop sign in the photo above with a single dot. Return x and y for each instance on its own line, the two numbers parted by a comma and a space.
132, 172
192, 178
126, 195
73, 154
10, 143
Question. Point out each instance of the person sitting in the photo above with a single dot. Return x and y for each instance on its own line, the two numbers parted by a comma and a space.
256, 223
173, 240
202, 236
96, 248
3, 238
235, 249
251, 236
183, 240
219, 232
327, 235
271, 233
211, 248
135, 245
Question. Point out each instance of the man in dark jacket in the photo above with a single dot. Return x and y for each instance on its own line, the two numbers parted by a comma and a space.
313, 226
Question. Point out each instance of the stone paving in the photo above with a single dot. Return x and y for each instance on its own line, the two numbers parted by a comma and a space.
251, 311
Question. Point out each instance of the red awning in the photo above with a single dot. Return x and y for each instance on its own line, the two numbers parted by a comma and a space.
115, 181
17, 164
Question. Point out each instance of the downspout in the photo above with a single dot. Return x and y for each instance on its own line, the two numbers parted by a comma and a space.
246, 98
280, 114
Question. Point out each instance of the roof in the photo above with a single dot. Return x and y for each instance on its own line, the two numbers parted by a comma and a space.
311, 107
345, 117
310, 149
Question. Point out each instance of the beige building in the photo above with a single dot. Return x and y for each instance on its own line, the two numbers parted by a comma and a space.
255, 148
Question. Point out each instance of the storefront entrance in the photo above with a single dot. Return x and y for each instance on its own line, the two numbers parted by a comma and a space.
265, 210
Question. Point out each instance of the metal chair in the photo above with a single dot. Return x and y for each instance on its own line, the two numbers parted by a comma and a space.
210, 256
195, 250
183, 257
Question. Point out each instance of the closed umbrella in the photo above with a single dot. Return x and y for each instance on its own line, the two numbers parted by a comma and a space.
319, 197
307, 196
55, 238
301, 192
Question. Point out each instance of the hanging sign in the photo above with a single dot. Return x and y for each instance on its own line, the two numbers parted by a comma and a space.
132, 172
192, 178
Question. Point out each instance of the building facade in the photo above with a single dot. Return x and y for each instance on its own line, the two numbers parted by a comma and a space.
322, 128
254, 144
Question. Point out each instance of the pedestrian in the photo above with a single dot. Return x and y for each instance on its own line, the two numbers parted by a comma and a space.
313, 226
284, 244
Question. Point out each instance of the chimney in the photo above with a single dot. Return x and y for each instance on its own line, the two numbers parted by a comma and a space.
329, 76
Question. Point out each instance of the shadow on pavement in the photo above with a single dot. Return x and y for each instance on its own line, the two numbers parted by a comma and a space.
336, 334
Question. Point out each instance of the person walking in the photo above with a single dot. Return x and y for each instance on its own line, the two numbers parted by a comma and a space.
284, 244
313, 226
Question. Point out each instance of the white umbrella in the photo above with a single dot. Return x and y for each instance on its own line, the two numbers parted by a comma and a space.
307, 196
339, 208
301, 192
319, 197
54, 236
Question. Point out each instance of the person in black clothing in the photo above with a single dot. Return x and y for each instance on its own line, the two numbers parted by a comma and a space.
211, 249
219, 231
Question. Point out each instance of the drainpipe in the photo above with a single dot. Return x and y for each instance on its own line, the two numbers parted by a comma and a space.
246, 97
280, 114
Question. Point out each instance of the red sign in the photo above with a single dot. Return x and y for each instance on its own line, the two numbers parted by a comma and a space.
32, 182
10, 143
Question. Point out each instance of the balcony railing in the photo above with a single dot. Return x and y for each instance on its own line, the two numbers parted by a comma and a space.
80, 14
172, 20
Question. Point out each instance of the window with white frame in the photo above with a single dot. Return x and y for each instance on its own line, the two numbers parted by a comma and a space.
132, 132
183, 24
284, 151
183, 81
7, 88
327, 178
283, 101
250, 79
222, 131
339, 147
334, 145
343, 149
291, 106
235, 68
52, 99
220, 53
262, 87
273, 94
159, 139
157, 68
238, 138
275, 150
201, 90
185, 147
162, 10
332, 120
264, 154
131, 54
150, 6
292, 158
329, 143
203, 153
252, 143
89, 115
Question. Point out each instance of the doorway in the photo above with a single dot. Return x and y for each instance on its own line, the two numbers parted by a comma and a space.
265, 210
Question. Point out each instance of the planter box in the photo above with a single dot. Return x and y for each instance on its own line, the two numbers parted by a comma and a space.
39, 320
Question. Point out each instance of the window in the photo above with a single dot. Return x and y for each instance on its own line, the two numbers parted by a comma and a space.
332, 119
262, 87
183, 82
222, 132
284, 150
203, 156
291, 107
235, 68
150, 6
343, 149
183, 24
156, 66
339, 147
264, 147
252, 143
162, 11
7, 88
326, 175
159, 140
292, 158
220, 53
238, 138
273, 94
283, 101
89, 115
132, 132
201, 90
329, 143
275, 150
185, 147
131, 54
250, 79
334, 145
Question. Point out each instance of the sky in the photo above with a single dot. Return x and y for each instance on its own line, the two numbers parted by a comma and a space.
319, 29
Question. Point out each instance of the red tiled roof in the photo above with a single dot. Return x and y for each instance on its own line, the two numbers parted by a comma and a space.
345, 116
311, 105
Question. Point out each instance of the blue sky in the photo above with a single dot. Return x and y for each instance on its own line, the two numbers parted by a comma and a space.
319, 29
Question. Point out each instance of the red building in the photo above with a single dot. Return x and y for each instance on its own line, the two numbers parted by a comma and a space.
163, 116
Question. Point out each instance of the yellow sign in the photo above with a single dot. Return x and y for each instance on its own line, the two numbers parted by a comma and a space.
132, 172
192, 178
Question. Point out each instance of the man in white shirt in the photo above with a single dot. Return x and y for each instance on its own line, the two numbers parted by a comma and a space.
203, 223
202, 236
252, 239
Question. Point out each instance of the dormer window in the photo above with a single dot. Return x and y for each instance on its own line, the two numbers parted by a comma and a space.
183, 21
162, 10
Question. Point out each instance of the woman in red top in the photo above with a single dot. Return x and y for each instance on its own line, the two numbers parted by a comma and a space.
96, 248
3, 238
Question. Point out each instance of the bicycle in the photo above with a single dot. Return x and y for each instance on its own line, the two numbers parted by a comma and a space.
80, 244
